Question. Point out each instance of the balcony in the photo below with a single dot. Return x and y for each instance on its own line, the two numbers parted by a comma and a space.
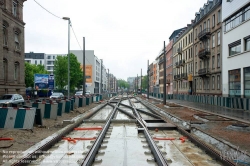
184, 76
177, 65
177, 77
161, 60
182, 62
179, 51
205, 72
204, 53
204, 34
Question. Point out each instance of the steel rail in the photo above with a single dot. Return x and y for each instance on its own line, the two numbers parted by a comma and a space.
208, 149
156, 152
90, 157
29, 154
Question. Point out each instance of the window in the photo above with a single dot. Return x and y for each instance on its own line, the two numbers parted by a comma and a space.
40, 62
191, 37
247, 82
213, 62
213, 41
48, 57
212, 82
196, 69
14, 8
237, 18
17, 47
200, 83
191, 52
200, 28
235, 48
195, 33
200, 64
234, 83
218, 82
208, 82
208, 23
16, 71
196, 50
218, 38
218, 19
218, 60
5, 69
213, 21
5, 34
247, 43
35, 62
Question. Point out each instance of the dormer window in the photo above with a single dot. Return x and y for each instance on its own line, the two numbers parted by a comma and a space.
14, 8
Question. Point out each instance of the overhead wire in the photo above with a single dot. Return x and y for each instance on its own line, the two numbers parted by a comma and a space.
62, 19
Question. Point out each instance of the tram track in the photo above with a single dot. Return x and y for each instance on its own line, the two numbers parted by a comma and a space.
118, 132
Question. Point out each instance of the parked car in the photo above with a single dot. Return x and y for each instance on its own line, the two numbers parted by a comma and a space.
11, 98
79, 93
57, 95
87, 93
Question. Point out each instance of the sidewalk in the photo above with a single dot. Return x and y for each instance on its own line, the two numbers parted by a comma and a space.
239, 115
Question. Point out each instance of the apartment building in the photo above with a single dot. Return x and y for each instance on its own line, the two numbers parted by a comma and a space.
169, 67
35, 58
95, 71
155, 77
236, 48
183, 61
207, 49
12, 71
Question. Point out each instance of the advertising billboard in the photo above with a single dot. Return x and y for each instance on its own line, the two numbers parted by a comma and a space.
88, 75
51, 82
41, 81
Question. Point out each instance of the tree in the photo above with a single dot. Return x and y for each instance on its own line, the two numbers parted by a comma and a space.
145, 82
122, 83
61, 71
30, 70
80, 82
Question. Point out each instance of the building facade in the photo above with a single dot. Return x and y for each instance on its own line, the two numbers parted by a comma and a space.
12, 71
35, 58
207, 49
94, 70
236, 48
169, 67
183, 61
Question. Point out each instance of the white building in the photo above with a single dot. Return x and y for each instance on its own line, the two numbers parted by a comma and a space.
236, 48
50, 60
93, 70
35, 58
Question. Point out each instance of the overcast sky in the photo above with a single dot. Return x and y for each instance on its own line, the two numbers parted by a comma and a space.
125, 34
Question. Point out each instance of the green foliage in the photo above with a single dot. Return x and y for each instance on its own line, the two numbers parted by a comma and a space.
61, 71
123, 83
145, 82
30, 70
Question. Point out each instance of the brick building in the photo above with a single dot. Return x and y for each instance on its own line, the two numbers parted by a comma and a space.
12, 47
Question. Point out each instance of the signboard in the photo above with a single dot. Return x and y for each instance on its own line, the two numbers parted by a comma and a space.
41, 81
88, 75
51, 82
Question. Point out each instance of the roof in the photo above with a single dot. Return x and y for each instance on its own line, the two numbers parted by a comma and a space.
175, 33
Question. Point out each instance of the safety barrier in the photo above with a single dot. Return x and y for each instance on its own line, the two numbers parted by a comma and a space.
228, 102
18, 118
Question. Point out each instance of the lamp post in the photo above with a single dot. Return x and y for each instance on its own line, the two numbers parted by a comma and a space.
67, 18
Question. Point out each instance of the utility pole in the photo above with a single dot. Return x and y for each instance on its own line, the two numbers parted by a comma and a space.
148, 80
108, 82
141, 80
101, 78
83, 69
164, 77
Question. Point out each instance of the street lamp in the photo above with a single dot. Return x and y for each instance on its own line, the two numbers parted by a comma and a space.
67, 18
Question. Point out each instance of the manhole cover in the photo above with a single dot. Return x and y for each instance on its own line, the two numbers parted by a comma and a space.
240, 125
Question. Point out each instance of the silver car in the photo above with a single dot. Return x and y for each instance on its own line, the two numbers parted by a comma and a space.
57, 95
11, 98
